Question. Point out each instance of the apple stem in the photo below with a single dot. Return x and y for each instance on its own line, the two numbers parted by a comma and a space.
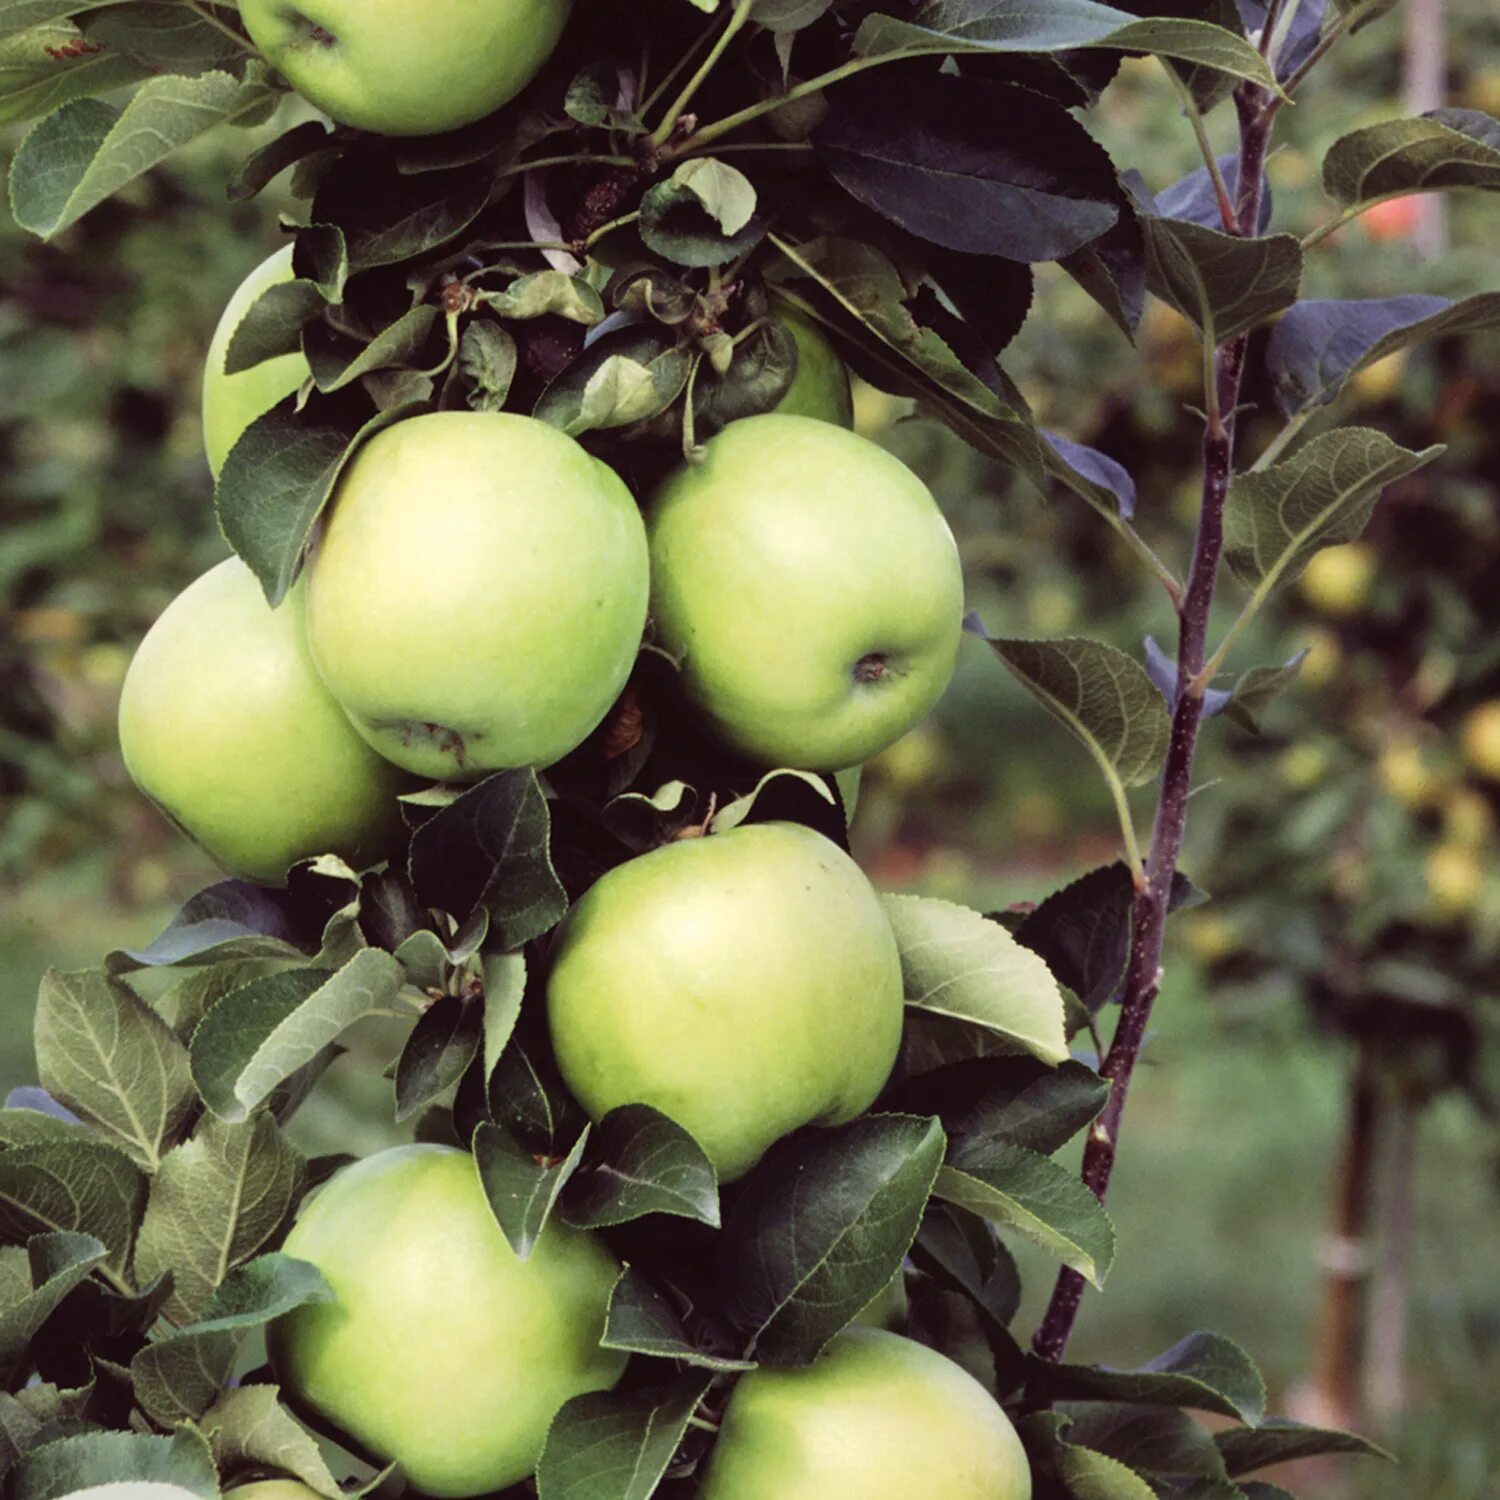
1153, 899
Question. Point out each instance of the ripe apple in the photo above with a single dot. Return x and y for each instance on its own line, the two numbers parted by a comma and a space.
441, 1350
744, 984
820, 388
232, 402
226, 726
404, 69
876, 1416
811, 589
477, 600
1394, 218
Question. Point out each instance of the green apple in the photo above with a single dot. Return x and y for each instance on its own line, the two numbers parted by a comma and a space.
810, 588
820, 388
232, 402
477, 600
226, 726
889, 1308
441, 1350
876, 1416
406, 69
744, 984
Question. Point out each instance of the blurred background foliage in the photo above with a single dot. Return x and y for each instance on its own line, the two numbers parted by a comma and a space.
1327, 1052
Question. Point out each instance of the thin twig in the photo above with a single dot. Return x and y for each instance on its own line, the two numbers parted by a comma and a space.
737, 18
206, 13
1152, 904
1205, 146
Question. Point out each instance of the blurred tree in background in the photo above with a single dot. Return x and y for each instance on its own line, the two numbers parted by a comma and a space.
1349, 1006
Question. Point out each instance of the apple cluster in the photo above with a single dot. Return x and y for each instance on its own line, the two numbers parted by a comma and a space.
474, 602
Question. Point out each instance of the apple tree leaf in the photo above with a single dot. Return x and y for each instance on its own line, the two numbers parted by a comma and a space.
1030, 1104
641, 1163
1204, 1371
33, 1283
1221, 284
1277, 518
1034, 1196
521, 1187
821, 1227
217, 1199
956, 963
1443, 150
1083, 930
438, 1052
82, 1186
643, 1320
1259, 687
105, 1054
22, 15
1279, 1440
44, 68
860, 299
179, 1467
1319, 345
180, 1374
248, 1428
1162, 1442
281, 473
956, 27
616, 1445
971, 165
88, 150
258, 1036
489, 848
233, 920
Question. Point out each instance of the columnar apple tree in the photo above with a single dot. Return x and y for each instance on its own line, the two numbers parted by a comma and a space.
565, 606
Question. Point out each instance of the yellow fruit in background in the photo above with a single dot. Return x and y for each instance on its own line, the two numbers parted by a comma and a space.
1380, 381
1209, 936
1304, 766
1408, 776
1468, 818
1324, 658
913, 759
1454, 877
1480, 738
1338, 579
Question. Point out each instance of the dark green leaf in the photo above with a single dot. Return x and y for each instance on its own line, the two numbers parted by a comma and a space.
1205, 1371
230, 920
1221, 284
1446, 149
821, 1227
438, 1052
33, 1283
113, 1460
643, 1320
1032, 1106
249, 1429
1279, 1440
1157, 1440
613, 1445
489, 848
1322, 495
521, 1188
641, 1163
80, 1187
1258, 688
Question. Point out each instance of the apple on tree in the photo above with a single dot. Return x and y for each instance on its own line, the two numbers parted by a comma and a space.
820, 388
876, 1416
441, 1349
810, 587
226, 726
266, 1489
405, 69
744, 984
232, 402
477, 599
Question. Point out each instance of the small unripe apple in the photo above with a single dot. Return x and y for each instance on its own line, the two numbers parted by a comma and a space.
808, 584
820, 388
874, 1417
477, 599
401, 68
232, 402
744, 984
441, 1350
226, 726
